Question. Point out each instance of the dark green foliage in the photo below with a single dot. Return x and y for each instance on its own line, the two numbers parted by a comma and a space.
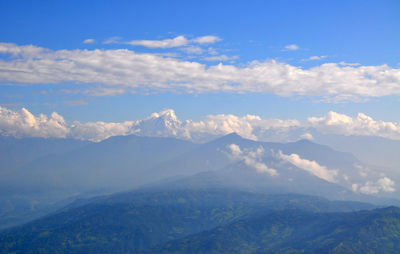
294, 231
135, 221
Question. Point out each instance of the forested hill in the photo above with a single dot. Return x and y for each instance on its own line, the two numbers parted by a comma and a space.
295, 231
134, 222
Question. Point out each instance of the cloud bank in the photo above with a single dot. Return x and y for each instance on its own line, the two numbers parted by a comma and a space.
139, 72
22, 123
361, 125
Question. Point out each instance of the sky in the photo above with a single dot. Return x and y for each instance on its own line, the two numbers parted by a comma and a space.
117, 61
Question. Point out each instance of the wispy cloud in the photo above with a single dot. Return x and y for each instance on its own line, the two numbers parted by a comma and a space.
221, 58
192, 50
291, 47
89, 41
315, 58
113, 40
178, 41
77, 102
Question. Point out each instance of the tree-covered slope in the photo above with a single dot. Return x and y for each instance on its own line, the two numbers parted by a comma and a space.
136, 221
295, 231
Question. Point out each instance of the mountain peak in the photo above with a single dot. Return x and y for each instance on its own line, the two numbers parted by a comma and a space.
167, 114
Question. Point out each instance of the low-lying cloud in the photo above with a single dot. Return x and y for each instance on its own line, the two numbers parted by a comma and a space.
384, 184
311, 167
251, 158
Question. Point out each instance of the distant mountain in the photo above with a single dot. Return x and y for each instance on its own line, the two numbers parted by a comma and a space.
116, 163
16, 152
295, 231
57, 171
375, 151
82, 169
135, 221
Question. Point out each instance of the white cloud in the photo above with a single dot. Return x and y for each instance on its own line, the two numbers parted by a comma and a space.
208, 39
113, 40
97, 131
291, 47
248, 126
307, 136
167, 43
384, 184
349, 64
315, 58
178, 41
135, 72
193, 50
23, 123
220, 58
166, 123
89, 41
361, 125
252, 159
311, 167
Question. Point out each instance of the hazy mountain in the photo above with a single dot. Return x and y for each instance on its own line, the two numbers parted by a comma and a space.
127, 162
375, 151
16, 152
116, 163
59, 174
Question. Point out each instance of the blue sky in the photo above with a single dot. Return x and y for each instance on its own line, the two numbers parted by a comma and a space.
298, 34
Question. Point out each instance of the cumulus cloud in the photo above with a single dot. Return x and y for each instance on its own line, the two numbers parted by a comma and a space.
361, 125
139, 72
248, 126
384, 184
97, 131
23, 123
311, 167
292, 47
307, 135
252, 159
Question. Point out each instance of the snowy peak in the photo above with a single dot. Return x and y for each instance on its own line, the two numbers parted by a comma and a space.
164, 123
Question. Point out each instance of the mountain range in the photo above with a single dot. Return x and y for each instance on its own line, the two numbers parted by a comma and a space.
228, 195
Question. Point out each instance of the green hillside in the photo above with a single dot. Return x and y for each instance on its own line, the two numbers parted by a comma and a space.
136, 221
294, 231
